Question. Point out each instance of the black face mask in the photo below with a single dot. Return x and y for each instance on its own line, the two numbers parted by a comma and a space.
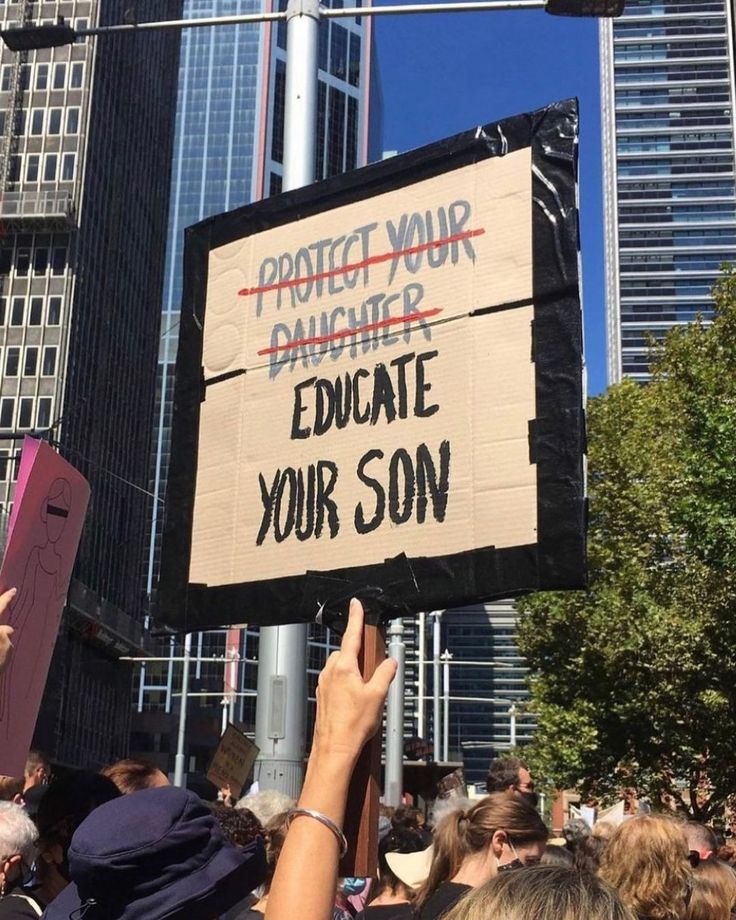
514, 864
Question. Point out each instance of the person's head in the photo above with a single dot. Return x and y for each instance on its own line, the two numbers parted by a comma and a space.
701, 839
267, 804
574, 831
587, 854
17, 845
556, 856
239, 825
132, 775
646, 861
400, 839
512, 776
37, 769
542, 893
713, 895
166, 860
498, 831
67, 802
11, 789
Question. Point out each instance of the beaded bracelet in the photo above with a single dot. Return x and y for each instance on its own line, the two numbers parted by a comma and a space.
323, 819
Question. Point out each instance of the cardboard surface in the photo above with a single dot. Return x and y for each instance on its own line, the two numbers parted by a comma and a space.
391, 369
477, 372
38, 561
233, 760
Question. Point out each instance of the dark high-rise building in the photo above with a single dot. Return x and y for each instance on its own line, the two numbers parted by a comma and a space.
85, 163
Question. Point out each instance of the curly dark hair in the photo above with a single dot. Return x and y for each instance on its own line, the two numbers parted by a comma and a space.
239, 825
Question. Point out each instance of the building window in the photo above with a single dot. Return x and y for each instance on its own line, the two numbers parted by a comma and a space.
58, 261
354, 65
35, 313
42, 76
32, 163
3, 307
25, 412
81, 25
37, 122
2, 122
40, 260
54, 121
48, 368
68, 163
7, 411
4, 465
14, 167
25, 76
30, 364
72, 120
54, 314
18, 311
77, 75
43, 418
59, 75
5, 79
12, 362
49, 167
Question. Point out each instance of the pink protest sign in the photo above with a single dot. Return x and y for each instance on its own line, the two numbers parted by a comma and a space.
39, 557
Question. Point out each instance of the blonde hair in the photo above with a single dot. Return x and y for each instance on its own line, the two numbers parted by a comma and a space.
464, 832
542, 893
646, 861
713, 892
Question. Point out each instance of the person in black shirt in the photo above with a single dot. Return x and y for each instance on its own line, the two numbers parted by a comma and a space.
392, 896
472, 845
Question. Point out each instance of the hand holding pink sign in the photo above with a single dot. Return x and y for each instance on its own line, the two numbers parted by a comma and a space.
50, 504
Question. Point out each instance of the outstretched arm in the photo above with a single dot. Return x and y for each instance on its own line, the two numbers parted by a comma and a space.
348, 714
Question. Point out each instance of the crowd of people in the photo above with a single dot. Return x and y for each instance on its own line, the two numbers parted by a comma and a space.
124, 844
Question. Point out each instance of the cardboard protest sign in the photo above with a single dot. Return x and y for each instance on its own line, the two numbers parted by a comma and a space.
233, 761
38, 561
382, 373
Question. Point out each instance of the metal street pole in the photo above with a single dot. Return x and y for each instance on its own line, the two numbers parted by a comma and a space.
512, 725
183, 703
394, 785
436, 635
446, 657
281, 708
421, 676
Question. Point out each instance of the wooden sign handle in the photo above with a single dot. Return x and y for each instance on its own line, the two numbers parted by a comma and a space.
361, 814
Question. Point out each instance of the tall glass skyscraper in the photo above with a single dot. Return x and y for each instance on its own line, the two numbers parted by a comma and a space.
667, 75
228, 151
85, 156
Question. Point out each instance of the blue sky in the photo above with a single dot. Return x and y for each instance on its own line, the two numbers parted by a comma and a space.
444, 73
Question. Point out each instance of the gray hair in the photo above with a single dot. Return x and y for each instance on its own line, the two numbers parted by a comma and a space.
18, 833
266, 804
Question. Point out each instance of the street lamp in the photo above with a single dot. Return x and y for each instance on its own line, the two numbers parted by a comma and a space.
33, 38
280, 713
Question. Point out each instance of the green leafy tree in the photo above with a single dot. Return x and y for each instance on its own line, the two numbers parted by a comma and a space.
635, 678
